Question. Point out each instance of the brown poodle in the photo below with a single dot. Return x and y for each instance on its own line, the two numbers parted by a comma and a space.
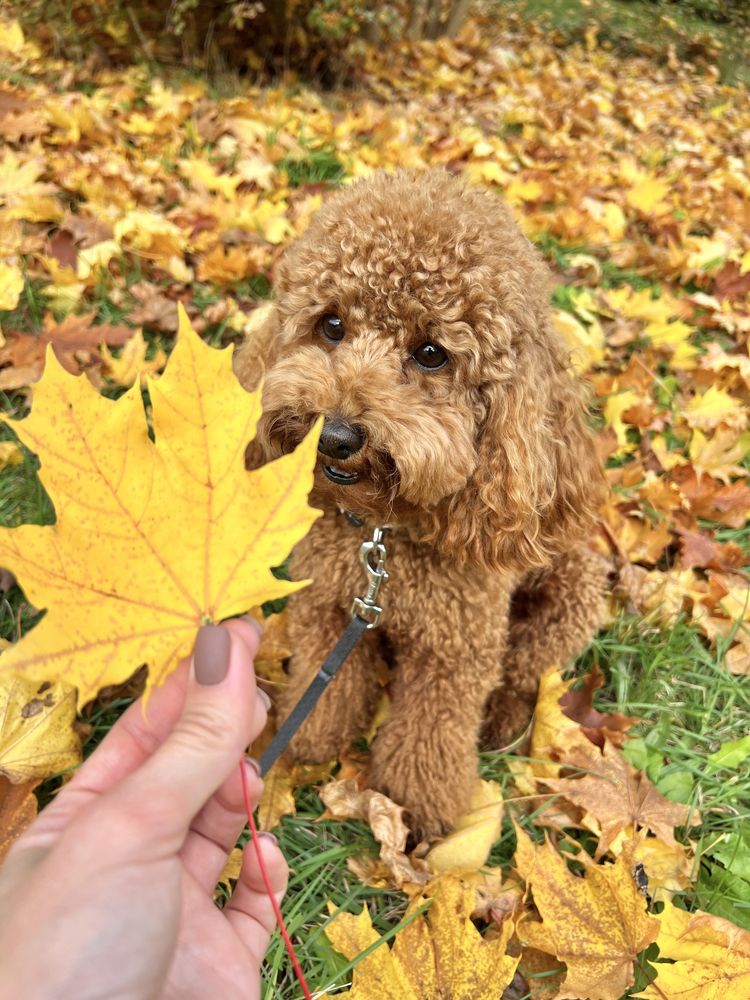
413, 314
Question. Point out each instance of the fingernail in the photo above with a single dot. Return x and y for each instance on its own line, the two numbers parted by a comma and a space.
211, 654
253, 764
258, 626
264, 698
269, 836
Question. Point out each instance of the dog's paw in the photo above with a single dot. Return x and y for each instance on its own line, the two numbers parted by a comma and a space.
433, 797
314, 744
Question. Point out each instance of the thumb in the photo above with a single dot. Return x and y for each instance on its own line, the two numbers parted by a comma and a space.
222, 714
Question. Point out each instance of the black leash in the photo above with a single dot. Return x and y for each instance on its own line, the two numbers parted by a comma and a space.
366, 614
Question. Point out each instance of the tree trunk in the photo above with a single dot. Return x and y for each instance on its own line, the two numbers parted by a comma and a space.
415, 28
457, 17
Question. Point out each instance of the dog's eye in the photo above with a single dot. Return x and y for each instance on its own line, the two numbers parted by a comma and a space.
332, 328
430, 357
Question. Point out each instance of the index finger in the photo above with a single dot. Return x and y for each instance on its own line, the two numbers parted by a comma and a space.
132, 740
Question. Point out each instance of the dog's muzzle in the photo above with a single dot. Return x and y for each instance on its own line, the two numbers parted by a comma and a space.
340, 440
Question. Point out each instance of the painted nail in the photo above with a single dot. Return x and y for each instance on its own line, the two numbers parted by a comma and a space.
269, 836
253, 764
211, 654
264, 698
258, 626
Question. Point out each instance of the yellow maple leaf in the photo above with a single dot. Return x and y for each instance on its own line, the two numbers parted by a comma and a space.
642, 305
132, 363
36, 728
523, 190
596, 924
151, 539
11, 285
203, 174
151, 234
439, 954
720, 454
96, 258
715, 406
467, 848
586, 344
614, 408
647, 194
710, 956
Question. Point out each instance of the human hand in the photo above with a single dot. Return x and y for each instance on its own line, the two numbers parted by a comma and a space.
109, 892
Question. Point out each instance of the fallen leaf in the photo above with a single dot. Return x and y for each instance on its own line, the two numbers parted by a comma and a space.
578, 704
467, 848
131, 363
277, 798
232, 867
17, 811
596, 924
10, 454
36, 727
344, 800
73, 336
617, 796
729, 755
140, 598
706, 410
11, 285
707, 958
439, 954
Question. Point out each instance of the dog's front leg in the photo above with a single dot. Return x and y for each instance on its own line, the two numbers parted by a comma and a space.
425, 757
347, 705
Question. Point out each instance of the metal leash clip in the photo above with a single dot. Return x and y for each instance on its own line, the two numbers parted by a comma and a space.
372, 556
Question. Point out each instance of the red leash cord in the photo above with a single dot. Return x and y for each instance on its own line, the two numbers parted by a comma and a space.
267, 882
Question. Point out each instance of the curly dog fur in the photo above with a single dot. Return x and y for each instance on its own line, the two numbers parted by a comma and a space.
484, 467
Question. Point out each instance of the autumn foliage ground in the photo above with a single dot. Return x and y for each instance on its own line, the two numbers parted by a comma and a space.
124, 192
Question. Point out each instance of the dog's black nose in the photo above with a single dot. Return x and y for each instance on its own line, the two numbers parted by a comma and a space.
339, 439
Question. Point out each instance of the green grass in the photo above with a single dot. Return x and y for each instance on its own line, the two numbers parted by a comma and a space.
632, 27
690, 706
319, 165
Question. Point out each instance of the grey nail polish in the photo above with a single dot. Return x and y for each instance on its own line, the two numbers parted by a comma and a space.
211, 654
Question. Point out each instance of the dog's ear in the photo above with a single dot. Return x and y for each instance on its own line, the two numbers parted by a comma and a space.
257, 351
538, 484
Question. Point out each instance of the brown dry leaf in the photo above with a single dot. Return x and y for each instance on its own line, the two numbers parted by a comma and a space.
440, 954
18, 808
75, 342
37, 738
155, 309
703, 551
577, 704
616, 796
596, 924
344, 800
